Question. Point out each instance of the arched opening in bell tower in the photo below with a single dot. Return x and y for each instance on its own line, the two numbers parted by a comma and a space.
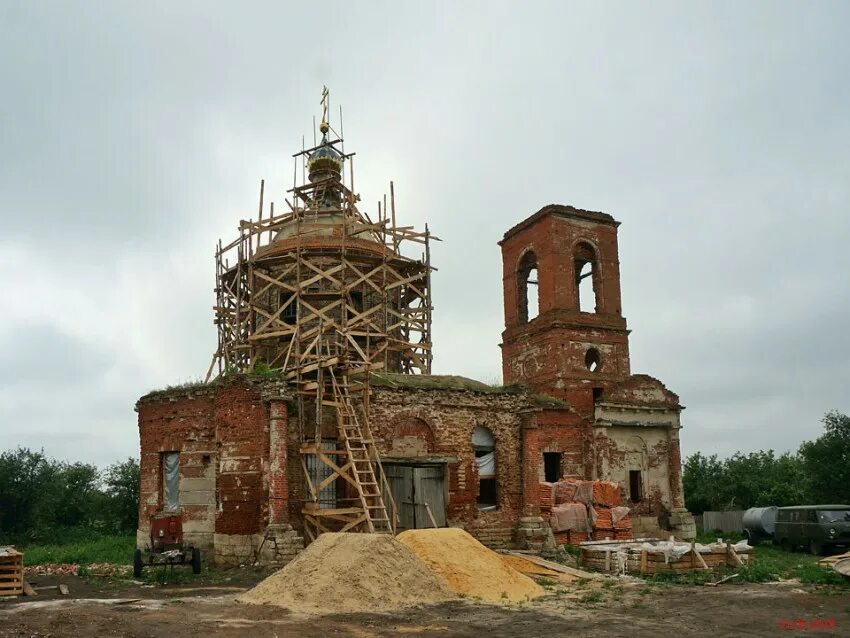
586, 271
528, 300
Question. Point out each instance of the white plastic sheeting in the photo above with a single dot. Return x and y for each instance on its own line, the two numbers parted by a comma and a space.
171, 480
486, 465
482, 439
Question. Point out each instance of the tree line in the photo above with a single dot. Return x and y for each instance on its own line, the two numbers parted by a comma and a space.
817, 473
41, 498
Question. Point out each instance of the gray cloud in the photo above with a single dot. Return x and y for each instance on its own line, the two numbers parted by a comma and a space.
133, 136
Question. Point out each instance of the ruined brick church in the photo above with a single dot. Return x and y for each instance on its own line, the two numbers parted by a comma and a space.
320, 412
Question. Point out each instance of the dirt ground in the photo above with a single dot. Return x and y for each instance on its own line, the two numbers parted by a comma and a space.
613, 608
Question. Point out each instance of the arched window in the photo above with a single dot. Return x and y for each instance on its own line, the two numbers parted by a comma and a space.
528, 302
484, 446
586, 270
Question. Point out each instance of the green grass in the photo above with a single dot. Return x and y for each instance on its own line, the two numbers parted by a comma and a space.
771, 564
591, 598
83, 548
709, 537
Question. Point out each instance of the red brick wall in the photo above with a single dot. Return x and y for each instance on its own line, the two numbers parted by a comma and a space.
174, 424
548, 353
450, 417
225, 425
241, 421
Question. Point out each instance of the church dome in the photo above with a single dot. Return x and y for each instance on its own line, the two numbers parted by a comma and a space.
324, 161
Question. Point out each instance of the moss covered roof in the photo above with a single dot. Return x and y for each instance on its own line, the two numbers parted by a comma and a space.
435, 382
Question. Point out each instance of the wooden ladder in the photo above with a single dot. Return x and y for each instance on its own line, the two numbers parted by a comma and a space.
363, 456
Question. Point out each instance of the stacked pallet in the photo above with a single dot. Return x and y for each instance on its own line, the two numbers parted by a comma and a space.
654, 557
11, 572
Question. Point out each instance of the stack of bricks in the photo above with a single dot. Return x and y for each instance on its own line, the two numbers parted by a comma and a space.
623, 529
577, 538
606, 496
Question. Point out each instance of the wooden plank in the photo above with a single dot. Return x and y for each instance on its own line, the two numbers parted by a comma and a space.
557, 567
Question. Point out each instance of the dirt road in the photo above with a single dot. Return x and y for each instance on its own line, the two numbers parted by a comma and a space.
616, 609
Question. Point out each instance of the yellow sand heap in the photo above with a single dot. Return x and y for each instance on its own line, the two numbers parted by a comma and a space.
467, 567
350, 573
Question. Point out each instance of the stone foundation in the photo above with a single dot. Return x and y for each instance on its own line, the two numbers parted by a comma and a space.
281, 545
532, 532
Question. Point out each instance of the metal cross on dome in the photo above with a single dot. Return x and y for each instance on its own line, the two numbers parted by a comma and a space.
324, 103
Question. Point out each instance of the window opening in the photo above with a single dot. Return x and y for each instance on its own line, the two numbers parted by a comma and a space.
327, 495
357, 300
592, 359
635, 491
532, 295
170, 481
290, 313
484, 447
585, 266
552, 466
597, 394
528, 293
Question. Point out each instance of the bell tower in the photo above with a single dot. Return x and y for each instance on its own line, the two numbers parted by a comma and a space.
565, 334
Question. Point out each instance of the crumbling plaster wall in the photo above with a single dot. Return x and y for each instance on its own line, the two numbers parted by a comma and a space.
631, 438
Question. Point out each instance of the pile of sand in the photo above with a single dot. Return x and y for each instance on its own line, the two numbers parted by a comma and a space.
350, 573
467, 567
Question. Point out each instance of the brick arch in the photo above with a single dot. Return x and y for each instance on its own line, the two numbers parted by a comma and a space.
411, 435
584, 251
528, 262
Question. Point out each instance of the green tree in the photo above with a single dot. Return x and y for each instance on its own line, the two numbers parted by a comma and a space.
827, 460
27, 479
756, 479
122, 491
75, 497
701, 478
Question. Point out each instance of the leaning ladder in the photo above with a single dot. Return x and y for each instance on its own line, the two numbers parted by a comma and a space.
363, 456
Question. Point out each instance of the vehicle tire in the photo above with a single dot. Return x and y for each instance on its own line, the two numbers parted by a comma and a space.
786, 546
815, 547
196, 560
137, 563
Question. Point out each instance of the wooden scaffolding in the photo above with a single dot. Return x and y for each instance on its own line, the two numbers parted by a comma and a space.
327, 295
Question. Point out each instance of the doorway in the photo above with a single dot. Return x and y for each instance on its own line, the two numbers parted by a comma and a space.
419, 493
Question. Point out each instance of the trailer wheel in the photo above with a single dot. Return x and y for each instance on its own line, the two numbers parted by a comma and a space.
196, 560
137, 563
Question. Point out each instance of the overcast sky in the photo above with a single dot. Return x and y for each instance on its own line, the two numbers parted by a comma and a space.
134, 135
